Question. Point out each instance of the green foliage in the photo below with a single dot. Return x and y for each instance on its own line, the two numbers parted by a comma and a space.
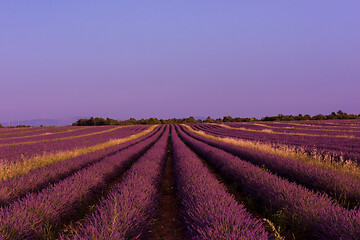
132, 121
22, 126
95, 122
209, 120
228, 119
280, 117
339, 115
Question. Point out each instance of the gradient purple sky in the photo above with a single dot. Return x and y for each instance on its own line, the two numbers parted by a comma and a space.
167, 59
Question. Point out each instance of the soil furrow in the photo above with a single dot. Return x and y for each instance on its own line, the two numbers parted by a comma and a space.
167, 226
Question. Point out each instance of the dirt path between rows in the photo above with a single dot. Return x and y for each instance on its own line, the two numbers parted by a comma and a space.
167, 226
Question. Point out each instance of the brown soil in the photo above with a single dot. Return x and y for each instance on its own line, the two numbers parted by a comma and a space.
167, 226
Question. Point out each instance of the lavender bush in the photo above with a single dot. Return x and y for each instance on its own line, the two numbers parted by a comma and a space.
307, 214
207, 209
39, 178
342, 187
127, 211
37, 214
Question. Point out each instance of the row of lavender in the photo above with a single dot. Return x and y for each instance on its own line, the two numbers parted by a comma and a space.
31, 131
127, 211
300, 211
336, 125
342, 187
350, 123
48, 136
344, 131
348, 148
41, 214
40, 178
13, 153
207, 210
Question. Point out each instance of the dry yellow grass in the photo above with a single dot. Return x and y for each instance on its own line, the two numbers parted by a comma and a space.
11, 170
314, 158
285, 133
59, 139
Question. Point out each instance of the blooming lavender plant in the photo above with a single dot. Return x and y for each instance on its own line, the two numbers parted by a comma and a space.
342, 187
127, 211
34, 131
208, 211
14, 153
337, 147
296, 129
308, 214
37, 179
48, 136
33, 215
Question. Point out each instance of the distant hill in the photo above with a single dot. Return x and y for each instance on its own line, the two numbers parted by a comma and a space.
44, 122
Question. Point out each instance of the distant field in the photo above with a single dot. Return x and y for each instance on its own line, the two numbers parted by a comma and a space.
253, 180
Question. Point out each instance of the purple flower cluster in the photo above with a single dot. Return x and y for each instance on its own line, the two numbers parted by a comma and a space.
349, 148
342, 123
296, 129
307, 214
340, 186
6, 133
37, 179
127, 211
54, 135
13, 153
207, 210
35, 214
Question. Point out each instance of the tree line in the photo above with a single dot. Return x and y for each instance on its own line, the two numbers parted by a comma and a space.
280, 117
17, 126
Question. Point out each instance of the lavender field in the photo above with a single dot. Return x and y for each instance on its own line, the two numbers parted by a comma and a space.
256, 180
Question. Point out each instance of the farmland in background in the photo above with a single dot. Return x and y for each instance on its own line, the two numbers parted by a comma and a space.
233, 180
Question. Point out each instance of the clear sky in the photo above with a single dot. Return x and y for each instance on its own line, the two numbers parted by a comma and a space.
167, 59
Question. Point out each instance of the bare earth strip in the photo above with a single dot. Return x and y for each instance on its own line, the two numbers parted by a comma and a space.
11, 170
314, 159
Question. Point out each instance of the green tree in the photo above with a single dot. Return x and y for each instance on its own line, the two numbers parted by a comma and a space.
307, 117
318, 117
228, 119
209, 120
